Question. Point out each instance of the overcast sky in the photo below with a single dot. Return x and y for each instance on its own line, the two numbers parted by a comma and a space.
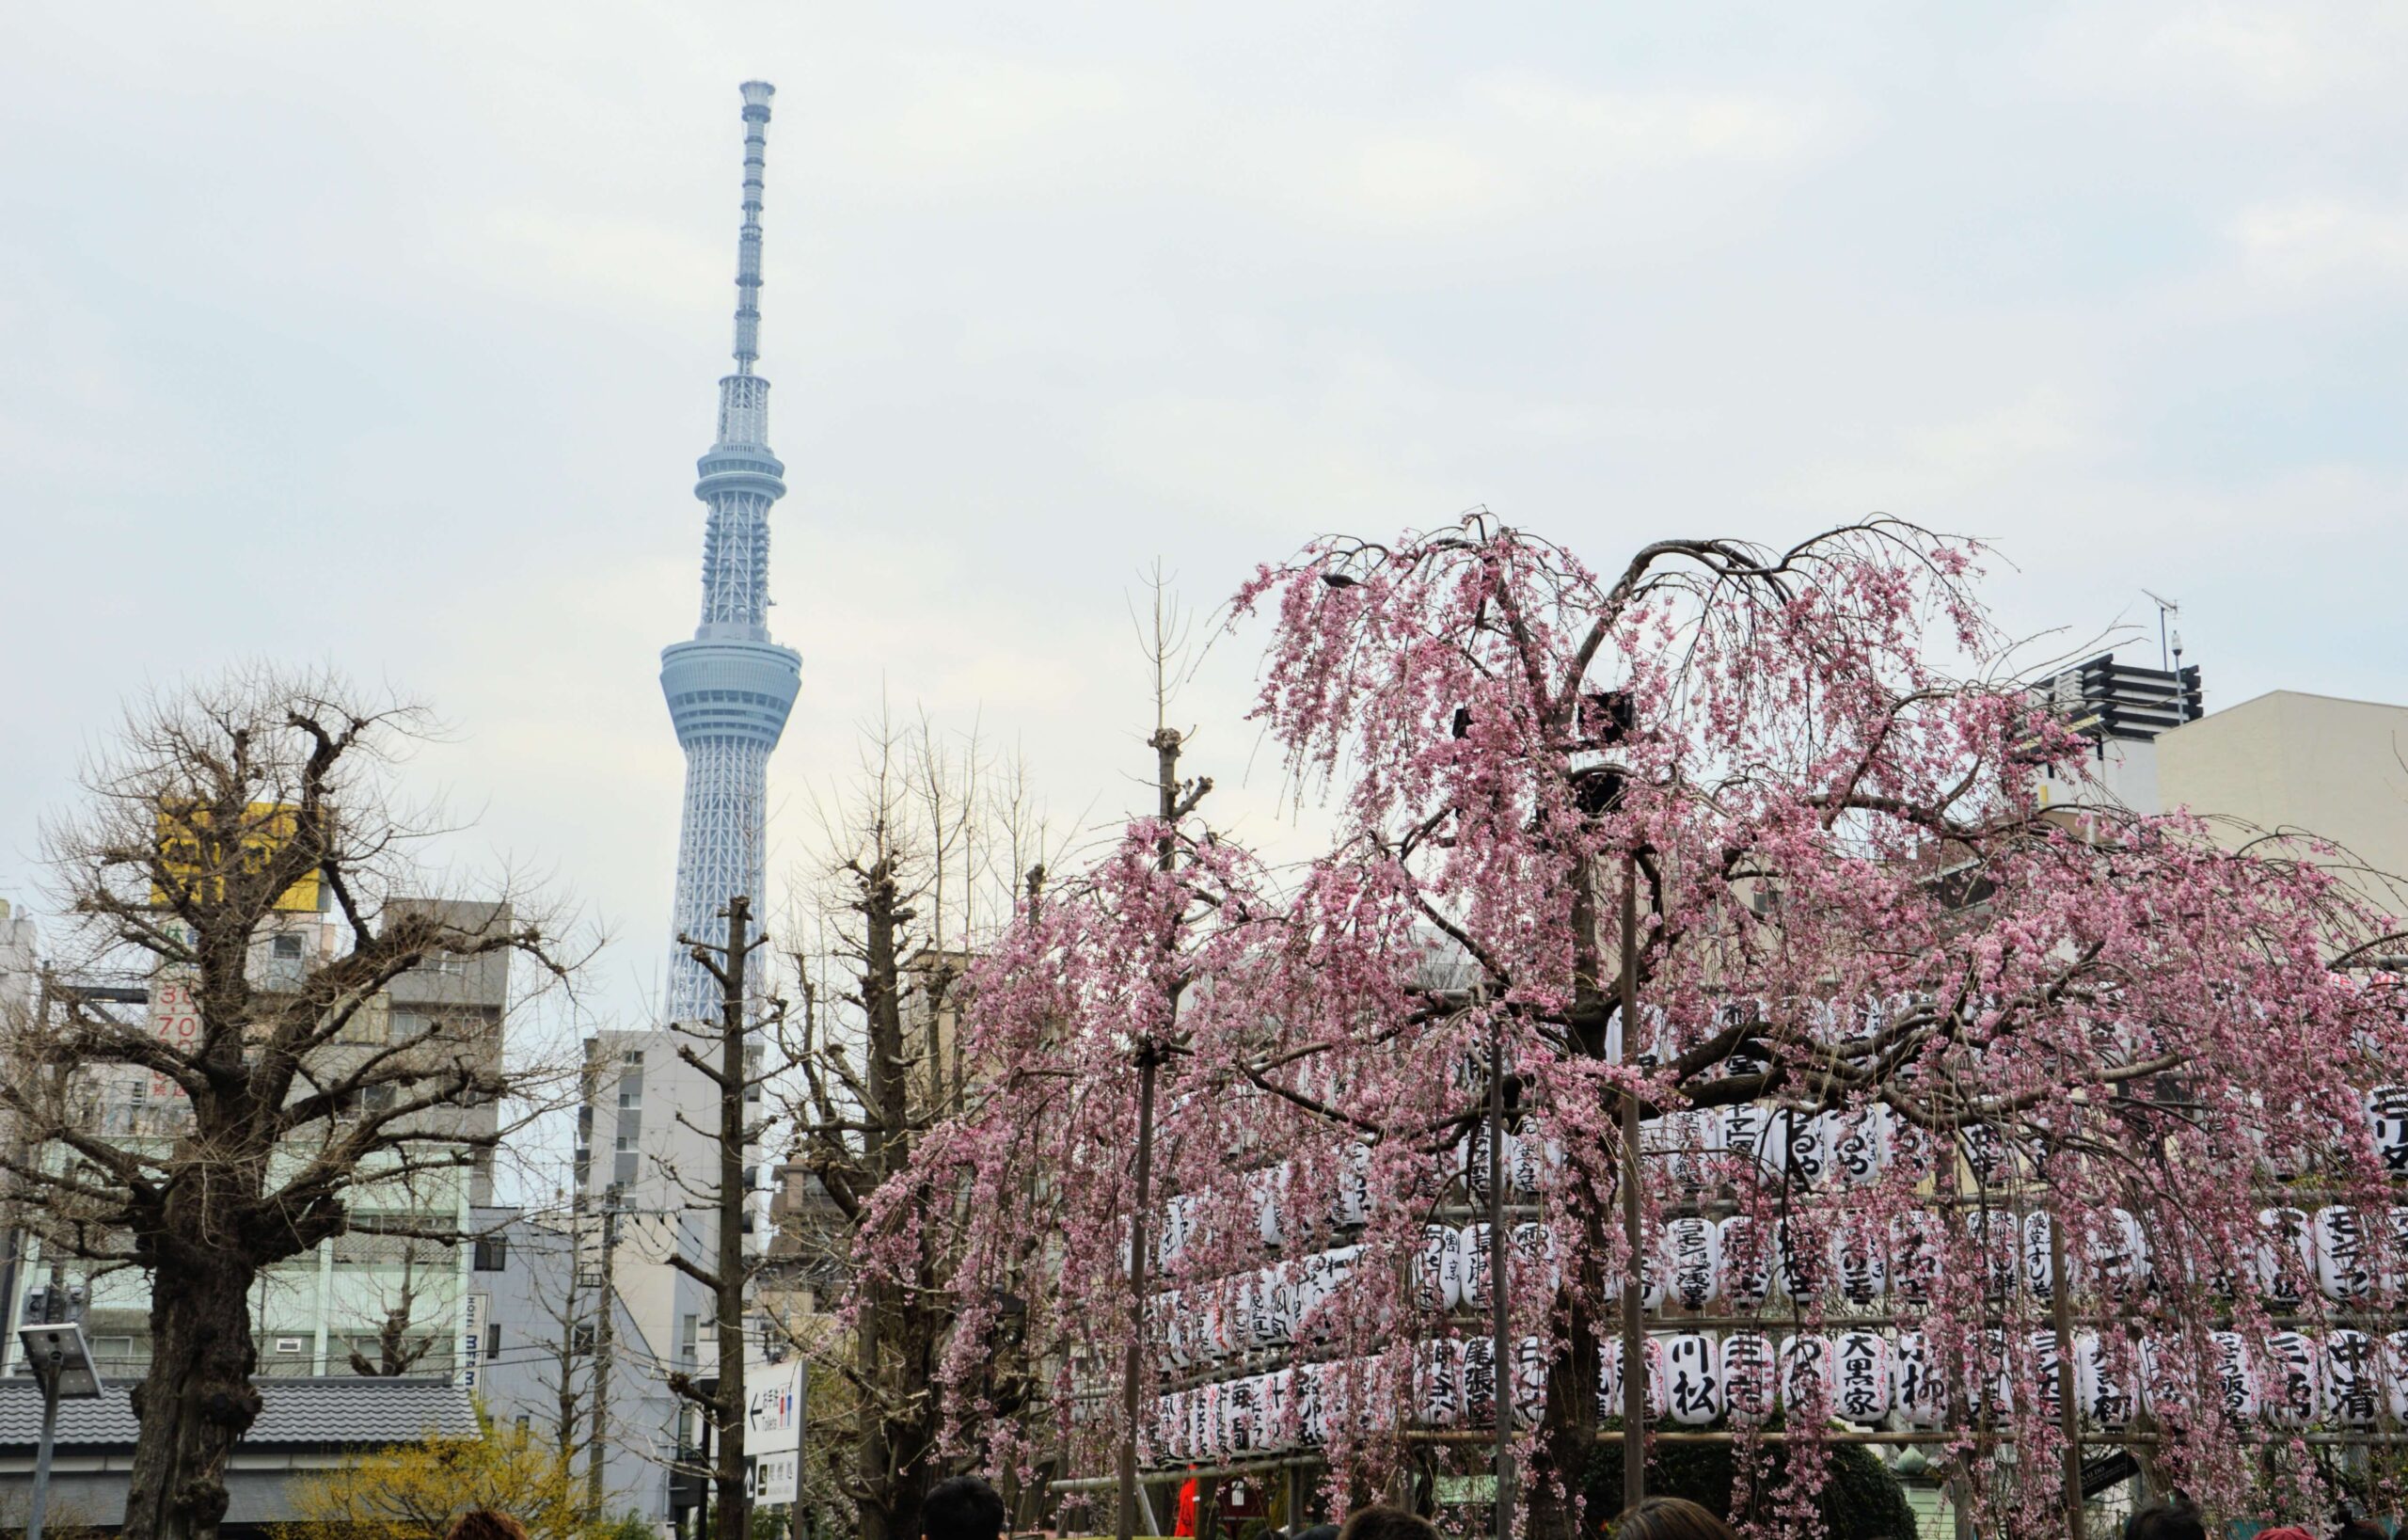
387, 337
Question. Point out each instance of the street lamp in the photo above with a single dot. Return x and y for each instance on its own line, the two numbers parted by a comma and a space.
63, 1367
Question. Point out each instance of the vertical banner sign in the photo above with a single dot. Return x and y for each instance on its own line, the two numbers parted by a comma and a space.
472, 1339
773, 1429
175, 1020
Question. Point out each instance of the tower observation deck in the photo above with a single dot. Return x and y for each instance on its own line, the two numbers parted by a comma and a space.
730, 688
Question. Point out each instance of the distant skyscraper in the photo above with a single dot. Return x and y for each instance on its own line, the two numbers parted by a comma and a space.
730, 688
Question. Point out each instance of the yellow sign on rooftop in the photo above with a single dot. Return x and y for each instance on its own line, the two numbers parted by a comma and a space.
266, 827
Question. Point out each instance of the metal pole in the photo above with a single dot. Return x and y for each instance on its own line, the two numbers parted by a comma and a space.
1125, 1526
1633, 1337
1501, 1360
39, 1503
2061, 1308
604, 1345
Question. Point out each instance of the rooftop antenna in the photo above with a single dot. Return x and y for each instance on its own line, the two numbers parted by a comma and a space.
2165, 606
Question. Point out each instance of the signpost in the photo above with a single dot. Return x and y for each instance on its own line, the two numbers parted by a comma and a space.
773, 1429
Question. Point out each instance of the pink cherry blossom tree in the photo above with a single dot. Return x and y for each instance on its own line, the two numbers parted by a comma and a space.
1787, 805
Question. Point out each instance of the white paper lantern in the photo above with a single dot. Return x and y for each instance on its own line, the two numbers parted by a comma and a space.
1752, 1139
1806, 1375
2165, 1379
2285, 1256
1163, 1330
2345, 1267
1813, 1147
1998, 1243
2388, 1124
1437, 1269
1692, 1253
1693, 1379
1245, 1399
1475, 1154
2237, 1377
1312, 1407
1609, 1377
1479, 1369
1472, 1257
1177, 1228
2394, 1366
1277, 1417
1269, 1190
1985, 1149
1861, 1376
1750, 1373
2116, 1255
1861, 1142
2048, 1381
2105, 1387
1165, 1431
1858, 1265
1531, 1362
1317, 1282
1915, 1388
1915, 1254
1802, 1258
1655, 1038
1353, 1203
1534, 1252
1688, 1143
2294, 1379
1989, 1381
1746, 1249
1269, 1310
2354, 1390
1439, 1382
2039, 1269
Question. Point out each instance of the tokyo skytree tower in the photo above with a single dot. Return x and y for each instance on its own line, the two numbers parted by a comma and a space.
730, 688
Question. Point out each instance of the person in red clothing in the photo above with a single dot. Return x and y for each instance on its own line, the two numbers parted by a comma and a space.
1186, 1524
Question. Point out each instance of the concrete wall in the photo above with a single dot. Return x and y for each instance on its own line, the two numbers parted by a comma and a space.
2329, 766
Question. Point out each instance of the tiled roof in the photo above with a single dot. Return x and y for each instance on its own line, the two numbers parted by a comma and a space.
327, 1413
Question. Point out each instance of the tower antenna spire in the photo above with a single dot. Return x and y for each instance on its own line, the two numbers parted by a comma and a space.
731, 688
748, 243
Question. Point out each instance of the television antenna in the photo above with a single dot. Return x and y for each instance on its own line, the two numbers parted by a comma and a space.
2165, 608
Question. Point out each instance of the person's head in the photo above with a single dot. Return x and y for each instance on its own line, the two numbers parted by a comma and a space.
963, 1508
1329, 1532
2174, 1520
485, 1524
1669, 1518
2359, 1529
2285, 1532
1382, 1522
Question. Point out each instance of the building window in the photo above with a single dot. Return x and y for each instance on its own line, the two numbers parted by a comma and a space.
582, 1337
630, 1096
493, 1253
522, 1422
288, 947
633, 1055
493, 1340
626, 1142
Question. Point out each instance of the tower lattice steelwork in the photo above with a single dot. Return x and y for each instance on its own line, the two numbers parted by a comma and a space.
730, 688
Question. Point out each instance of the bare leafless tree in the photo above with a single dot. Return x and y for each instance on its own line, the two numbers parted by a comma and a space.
923, 855
241, 848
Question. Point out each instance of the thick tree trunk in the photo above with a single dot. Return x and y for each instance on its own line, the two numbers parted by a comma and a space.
196, 1401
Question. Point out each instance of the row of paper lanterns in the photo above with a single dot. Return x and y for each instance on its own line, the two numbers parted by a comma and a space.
1699, 1262
1827, 1150
2347, 1378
